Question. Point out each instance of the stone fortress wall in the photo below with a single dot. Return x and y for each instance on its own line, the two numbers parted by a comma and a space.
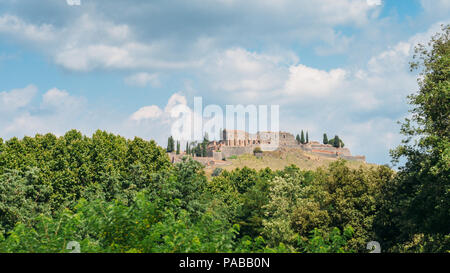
235, 142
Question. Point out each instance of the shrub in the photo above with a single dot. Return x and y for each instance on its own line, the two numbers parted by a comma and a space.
257, 150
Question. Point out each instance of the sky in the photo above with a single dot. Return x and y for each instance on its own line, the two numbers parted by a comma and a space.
333, 66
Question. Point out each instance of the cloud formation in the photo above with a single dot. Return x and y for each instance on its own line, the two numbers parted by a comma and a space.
15, 99
87, 39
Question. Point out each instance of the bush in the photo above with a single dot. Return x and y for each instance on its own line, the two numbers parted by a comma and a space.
257, 150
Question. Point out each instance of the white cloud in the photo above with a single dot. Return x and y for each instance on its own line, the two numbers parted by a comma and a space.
61, 100
16, 98
92, 43
255, 77
58, 112
143, 79
89, 40
245, 73
147, 112
154, 112
13, 25
309, 82
175, 100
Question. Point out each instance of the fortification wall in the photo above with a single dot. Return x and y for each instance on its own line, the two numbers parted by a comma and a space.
287, 139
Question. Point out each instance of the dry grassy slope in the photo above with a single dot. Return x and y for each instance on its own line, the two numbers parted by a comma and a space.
280, 159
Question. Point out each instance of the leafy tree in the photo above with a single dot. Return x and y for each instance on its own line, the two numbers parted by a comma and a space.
332, 242
191, 183
22, 197
102, 226
298, 139
69, 167
284, 192
417, 210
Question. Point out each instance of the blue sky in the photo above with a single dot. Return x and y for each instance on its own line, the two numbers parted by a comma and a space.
339, 67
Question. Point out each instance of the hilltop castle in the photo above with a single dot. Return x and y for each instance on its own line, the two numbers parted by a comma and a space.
236, 142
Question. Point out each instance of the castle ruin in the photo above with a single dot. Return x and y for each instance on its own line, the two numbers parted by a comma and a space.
237, 142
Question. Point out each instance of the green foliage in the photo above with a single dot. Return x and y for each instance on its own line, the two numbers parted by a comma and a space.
416, 213
332, 242
318, 242
58, 171
336, 197
22, 197
302, 138
111, 194
336, 142
102, 226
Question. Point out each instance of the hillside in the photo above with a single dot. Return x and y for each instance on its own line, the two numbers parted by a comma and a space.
278, 160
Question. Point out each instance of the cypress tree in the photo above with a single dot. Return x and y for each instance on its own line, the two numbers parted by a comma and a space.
302, 138
178, 147
307, 137
203, 149
205, 145
325, 139
170, 145
198, 150
297, 138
